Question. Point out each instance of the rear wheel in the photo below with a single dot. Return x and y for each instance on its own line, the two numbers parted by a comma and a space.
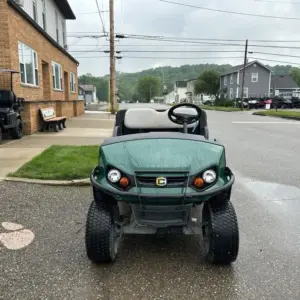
102, 236
18, 131
220, 233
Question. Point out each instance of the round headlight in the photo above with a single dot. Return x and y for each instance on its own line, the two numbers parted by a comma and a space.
209, 176
114, 176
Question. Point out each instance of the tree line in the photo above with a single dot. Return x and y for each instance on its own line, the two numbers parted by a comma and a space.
145, 85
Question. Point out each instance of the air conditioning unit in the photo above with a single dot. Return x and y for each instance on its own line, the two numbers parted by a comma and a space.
20, 2
66, 47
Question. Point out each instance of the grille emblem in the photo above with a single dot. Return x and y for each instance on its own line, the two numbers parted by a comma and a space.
161, 181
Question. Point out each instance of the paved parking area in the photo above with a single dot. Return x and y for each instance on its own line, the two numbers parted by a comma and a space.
266, 195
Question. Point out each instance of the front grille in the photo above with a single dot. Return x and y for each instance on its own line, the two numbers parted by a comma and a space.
172, 181
161, 215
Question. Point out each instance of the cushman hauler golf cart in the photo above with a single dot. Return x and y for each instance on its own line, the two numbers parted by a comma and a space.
152, 177
11, 122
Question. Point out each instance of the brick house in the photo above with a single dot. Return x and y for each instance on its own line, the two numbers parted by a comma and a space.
33, 42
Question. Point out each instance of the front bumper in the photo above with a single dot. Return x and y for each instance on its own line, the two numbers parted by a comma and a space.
185, 196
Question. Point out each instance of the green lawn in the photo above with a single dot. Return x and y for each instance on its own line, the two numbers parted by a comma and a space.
218, 108
279, 113
61, 163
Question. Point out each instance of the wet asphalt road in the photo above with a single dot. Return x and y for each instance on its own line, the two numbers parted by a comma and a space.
265, 158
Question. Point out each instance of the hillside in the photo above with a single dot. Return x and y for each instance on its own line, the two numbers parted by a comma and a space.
126, 81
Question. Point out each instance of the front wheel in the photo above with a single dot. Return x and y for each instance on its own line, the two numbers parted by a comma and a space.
102, 236
220, 233
18, 131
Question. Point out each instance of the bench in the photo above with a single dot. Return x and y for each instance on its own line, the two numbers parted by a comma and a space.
50, 120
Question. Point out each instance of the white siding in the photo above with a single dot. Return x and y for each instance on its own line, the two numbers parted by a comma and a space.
51, 7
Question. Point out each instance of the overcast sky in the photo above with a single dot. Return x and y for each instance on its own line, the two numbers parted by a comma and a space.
155, 18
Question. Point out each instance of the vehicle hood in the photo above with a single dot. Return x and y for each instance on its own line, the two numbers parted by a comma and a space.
161, 155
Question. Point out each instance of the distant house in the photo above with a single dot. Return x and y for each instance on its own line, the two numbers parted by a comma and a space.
87, 92
283, 85
170, 98
257, 81
196, 98
180, 90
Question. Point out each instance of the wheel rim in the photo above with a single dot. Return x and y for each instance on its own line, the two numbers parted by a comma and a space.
115, 235
20, 128
207, 235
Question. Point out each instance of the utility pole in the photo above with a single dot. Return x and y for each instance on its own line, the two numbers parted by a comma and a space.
112, 56
244, 71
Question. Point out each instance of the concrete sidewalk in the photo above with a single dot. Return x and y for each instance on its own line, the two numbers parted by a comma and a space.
88, 129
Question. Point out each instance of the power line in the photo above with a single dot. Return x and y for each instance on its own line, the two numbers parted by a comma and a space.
162, 38
159, 51
192, 58
159, 57
231, 12
103, 27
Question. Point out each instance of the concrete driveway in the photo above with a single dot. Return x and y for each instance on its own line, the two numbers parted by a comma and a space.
263, 153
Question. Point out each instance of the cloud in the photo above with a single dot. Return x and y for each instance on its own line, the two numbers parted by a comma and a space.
153, 17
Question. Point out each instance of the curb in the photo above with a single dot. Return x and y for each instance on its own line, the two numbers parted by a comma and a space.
280, 117
77, 182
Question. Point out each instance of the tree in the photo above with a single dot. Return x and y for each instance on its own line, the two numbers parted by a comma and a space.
148, 87
208, 83
295, 73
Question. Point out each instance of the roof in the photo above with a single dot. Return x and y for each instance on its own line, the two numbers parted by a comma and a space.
181, 84
283, 82
65, 9
14, 5
87, 87
193, 79
237, 68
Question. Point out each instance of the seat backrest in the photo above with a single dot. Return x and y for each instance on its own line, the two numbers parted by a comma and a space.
7, 98
48, 113
147, 118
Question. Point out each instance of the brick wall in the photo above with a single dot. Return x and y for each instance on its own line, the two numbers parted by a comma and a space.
5, 61
14, 28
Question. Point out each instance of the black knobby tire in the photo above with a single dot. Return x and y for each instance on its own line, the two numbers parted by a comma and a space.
18, 131
101, 237
60, 125
221, 233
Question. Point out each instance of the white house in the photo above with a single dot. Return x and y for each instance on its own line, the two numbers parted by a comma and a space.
196, 98
180, 90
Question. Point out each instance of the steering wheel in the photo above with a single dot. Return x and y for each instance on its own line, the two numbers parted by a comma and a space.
184, 118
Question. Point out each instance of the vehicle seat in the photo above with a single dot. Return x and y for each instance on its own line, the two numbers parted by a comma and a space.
7, 99
142, 120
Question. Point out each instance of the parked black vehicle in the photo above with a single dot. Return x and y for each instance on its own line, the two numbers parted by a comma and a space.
11, 123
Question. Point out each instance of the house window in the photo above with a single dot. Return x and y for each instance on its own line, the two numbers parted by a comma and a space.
72, 82
34, 10
44, 14
57, 76
225, 80
28, 65
231, 94
231, 79
56, 24
245, 95
254, 77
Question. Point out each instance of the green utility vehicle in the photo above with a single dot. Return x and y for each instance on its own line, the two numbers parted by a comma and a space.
156, 175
